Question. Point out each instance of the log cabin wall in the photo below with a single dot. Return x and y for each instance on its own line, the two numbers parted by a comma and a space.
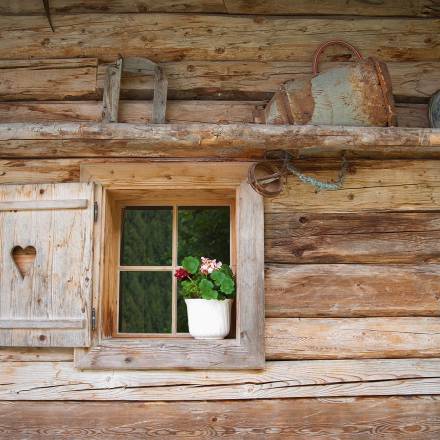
352, 276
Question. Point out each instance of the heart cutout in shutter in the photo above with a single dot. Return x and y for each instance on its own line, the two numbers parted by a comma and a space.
23, 258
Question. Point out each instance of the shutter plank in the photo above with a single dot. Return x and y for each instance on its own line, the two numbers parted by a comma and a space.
35, 205
50, 305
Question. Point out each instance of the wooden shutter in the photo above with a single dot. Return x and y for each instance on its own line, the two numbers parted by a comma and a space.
46, 246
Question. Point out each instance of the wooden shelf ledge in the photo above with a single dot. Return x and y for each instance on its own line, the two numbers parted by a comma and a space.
215, 141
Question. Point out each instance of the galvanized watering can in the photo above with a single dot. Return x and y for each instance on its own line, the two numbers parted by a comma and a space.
357, 94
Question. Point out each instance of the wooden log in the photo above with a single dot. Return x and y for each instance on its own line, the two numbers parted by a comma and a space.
338, 290
29, 79
387, 8
370, 237
259, 80
369, 186
301, 224
396, 248
30, 7
412, 418
412, 115
48, 79
165, 37
282, 379
347, 338
337, 7
139, 112
244, 141
8, 354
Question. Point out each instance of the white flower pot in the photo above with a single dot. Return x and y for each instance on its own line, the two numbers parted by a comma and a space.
209, 318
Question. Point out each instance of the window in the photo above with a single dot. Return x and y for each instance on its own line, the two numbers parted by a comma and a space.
151, 216
155, 234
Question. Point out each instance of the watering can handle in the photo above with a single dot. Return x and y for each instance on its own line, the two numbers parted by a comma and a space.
323, 46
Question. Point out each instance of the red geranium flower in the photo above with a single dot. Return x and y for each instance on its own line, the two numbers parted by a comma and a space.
181, 274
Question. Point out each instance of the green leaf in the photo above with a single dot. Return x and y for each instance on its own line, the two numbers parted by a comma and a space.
210, 294
206, 289
217, 277
191, 264
189, 289
227, 286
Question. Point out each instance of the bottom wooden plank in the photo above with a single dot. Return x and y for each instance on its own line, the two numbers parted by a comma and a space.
282, 379
415, 418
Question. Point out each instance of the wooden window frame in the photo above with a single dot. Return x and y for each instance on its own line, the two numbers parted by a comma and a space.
246, 350
164, 197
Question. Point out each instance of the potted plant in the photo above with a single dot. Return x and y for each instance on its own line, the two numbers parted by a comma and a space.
208, 287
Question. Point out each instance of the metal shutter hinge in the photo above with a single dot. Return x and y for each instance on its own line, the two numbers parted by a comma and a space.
95, 211
93, 319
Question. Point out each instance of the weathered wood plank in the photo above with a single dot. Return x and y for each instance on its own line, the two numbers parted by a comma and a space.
357, 248
31, 7
337, 7
50, 306
334, 338
26, 354
42, 323
217, 112
338, 290
258, 80
171, 37
39, 171
305, 224
112, 86
413, 418
412, 115
231, 141
140, 112
281, 379
48, 79
367, 237
369, 186
387, 8
29, 79
39, 205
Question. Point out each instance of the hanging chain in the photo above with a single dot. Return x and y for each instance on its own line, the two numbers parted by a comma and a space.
265, 177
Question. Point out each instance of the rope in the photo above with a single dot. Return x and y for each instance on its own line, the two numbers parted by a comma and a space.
265, 177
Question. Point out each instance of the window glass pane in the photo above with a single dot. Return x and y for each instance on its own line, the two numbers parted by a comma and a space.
203, 231
147, 236
182, 317
145, 302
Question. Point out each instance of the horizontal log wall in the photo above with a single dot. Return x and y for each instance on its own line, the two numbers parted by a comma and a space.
352, 276
414, 418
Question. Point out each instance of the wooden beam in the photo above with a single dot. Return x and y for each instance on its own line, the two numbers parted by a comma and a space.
421, 8
386, 8
348, 338
178, 112
351, 290
211, 140
282, 379
388, 185
259, 80
48, 79
30, 7
165, 37
409, 418
367, 237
